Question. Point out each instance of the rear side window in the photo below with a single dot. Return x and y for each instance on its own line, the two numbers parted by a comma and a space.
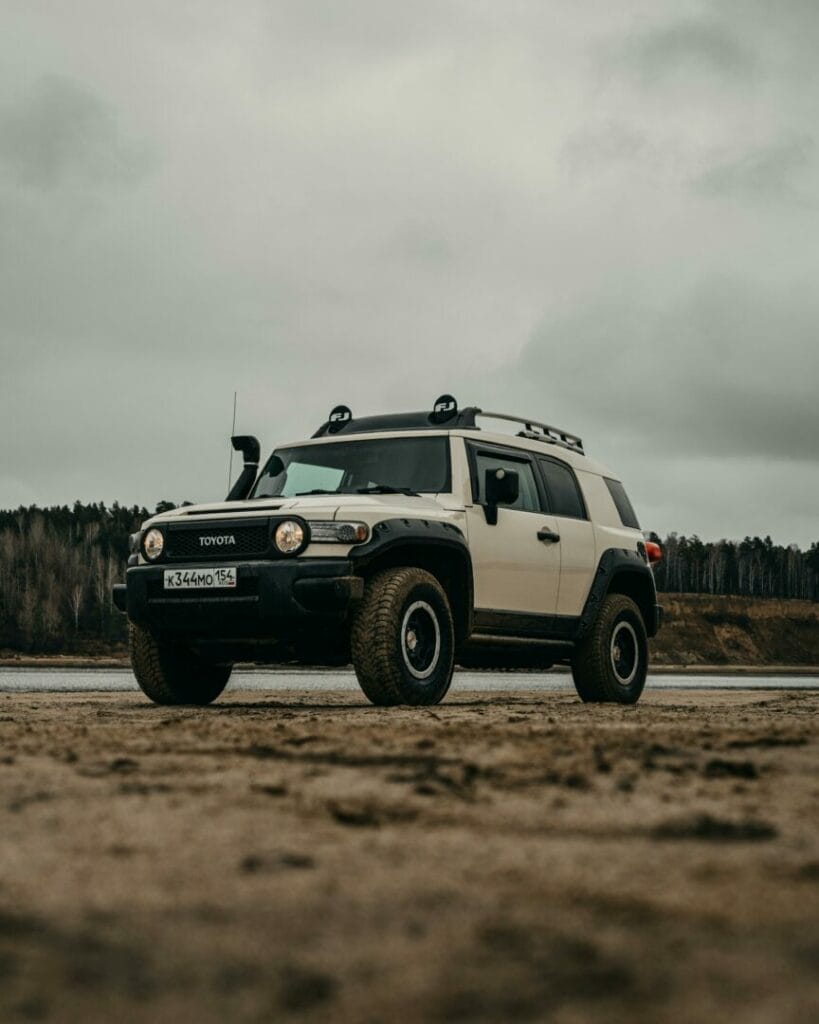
561, 486
628, 517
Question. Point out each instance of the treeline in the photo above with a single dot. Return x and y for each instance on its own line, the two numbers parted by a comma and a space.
753, 567
57, 567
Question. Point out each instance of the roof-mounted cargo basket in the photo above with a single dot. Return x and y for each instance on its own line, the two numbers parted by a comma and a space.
445, 415
539, 431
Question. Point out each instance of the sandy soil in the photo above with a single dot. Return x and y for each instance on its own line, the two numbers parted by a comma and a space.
493, 859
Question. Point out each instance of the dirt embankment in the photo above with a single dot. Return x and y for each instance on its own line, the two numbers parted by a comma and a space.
697, 630
702, 630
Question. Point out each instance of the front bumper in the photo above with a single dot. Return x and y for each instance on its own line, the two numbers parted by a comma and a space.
271, 599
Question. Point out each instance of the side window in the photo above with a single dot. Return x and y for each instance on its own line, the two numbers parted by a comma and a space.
628, 517
528, 498
561, 486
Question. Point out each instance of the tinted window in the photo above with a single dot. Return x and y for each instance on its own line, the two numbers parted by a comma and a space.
561, 486
628, 516
528, 500
345, 467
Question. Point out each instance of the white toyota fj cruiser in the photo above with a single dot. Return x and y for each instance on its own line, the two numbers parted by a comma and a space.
406, 543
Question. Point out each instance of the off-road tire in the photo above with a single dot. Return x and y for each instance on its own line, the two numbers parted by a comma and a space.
595, 667
380, 648
172, 675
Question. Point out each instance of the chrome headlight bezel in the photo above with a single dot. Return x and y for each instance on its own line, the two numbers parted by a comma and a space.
335, 531
153, 544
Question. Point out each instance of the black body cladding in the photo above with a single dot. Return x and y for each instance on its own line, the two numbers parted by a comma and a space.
621, 571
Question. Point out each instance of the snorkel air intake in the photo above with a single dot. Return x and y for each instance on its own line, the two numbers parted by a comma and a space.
249, 447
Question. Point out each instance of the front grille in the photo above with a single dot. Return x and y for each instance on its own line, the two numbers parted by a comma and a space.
187, 542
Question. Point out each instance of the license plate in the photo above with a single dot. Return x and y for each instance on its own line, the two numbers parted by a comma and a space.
199, 579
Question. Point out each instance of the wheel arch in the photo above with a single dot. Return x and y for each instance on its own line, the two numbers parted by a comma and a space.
438, 548
621, 571
640, 588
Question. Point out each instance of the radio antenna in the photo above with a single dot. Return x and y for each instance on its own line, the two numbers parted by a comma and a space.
232, 432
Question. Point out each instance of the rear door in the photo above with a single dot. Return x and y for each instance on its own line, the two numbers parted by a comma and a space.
516, 568
577, 546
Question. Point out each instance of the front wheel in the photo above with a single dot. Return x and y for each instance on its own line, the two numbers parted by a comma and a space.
173, 675
611, 662
402, 639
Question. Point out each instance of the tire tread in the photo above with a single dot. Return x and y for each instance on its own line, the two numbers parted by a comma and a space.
374, 627
165, 676
591, 670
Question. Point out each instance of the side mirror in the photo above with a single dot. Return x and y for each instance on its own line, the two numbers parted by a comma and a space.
501, 487
249, 447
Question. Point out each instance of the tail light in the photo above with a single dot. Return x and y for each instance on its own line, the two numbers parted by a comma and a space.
654, 552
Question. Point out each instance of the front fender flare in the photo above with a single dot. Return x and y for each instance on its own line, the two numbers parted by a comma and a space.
422, 540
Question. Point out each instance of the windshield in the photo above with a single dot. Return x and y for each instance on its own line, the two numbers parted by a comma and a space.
387, 465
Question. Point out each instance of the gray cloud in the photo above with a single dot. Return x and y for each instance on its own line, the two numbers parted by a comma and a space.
59, 131
767, 173
693, 47
611, 142
373, 203
716, 372
419, 245
698, 403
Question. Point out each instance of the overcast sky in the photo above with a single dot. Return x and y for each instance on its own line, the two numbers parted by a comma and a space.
603, 215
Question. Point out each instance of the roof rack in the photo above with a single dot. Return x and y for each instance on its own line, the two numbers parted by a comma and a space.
539, 431
445, 415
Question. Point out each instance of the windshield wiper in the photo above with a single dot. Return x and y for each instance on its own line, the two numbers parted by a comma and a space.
386, 489
375, 489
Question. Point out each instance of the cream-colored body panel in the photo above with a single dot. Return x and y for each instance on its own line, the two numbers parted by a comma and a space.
578, 563
609, 531
513, 570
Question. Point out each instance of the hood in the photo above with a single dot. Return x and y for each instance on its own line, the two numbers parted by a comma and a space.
369, 507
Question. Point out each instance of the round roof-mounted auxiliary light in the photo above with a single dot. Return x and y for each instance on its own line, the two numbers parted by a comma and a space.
443, 409
338, 419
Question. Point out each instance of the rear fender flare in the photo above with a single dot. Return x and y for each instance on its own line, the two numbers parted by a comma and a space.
620, 571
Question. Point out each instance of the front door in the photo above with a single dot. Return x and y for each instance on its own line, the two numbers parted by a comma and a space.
515, 563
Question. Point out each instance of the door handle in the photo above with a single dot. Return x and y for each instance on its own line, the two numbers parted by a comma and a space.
550, 535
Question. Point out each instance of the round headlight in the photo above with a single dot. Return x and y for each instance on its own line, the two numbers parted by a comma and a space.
152, 544
289, 536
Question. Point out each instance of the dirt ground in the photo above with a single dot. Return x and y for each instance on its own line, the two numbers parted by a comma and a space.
497, 858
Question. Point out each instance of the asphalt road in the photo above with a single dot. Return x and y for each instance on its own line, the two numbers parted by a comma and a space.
45, 680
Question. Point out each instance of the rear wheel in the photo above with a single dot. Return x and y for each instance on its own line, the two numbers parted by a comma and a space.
402, 639
611, 662
173, 675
